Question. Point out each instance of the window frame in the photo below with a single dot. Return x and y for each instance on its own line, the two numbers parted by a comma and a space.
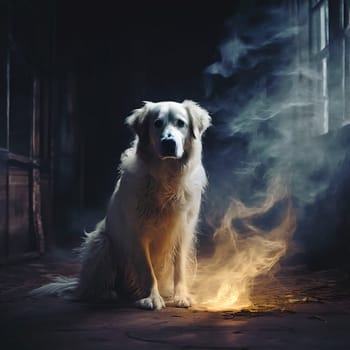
336, 56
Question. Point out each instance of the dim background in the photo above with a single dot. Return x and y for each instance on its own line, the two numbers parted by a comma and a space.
71, 71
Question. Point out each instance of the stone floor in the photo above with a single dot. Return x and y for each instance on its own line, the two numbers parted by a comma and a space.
298, 310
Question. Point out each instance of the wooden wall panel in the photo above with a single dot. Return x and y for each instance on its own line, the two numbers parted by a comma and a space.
20, 239
46, 205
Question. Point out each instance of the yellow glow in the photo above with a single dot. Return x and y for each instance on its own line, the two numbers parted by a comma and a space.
224, 280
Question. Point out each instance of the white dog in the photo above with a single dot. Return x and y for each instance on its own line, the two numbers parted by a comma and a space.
146, 244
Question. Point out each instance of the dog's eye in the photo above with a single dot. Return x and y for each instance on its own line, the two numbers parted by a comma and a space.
180, 123
158, 123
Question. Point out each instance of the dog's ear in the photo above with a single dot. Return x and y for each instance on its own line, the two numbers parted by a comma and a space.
200, 118
137, 118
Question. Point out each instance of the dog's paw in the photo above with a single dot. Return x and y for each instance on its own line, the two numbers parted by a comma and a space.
182, 301
153, 302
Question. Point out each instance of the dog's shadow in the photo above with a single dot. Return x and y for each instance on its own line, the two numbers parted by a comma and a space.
119, 304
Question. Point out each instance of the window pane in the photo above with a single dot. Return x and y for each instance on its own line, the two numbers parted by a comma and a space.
319, 28
324, 25
343, 81
325, 120
341, 13
320, 100
315, 32
347, 81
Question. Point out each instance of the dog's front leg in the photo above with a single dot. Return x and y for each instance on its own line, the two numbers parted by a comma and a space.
181, 295
154, 300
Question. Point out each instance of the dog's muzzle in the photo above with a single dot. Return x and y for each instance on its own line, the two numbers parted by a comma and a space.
168, 148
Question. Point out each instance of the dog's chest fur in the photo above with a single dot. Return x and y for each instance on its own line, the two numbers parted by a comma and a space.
162, 198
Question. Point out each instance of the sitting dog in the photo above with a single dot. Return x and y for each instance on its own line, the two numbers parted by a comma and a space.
145, 246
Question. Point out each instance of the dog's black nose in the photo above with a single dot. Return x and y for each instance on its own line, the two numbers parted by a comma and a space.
168, 147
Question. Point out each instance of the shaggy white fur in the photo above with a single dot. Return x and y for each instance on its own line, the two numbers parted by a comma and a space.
144, 249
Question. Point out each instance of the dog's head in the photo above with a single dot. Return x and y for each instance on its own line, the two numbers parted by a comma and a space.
168, 129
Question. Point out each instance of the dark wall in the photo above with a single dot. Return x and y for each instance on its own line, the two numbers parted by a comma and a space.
323, 232
118, 56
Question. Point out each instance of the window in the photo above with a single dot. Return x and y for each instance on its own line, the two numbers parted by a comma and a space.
319, 36
329, 55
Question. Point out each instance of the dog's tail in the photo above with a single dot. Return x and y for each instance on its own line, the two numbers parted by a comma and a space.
61, 286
